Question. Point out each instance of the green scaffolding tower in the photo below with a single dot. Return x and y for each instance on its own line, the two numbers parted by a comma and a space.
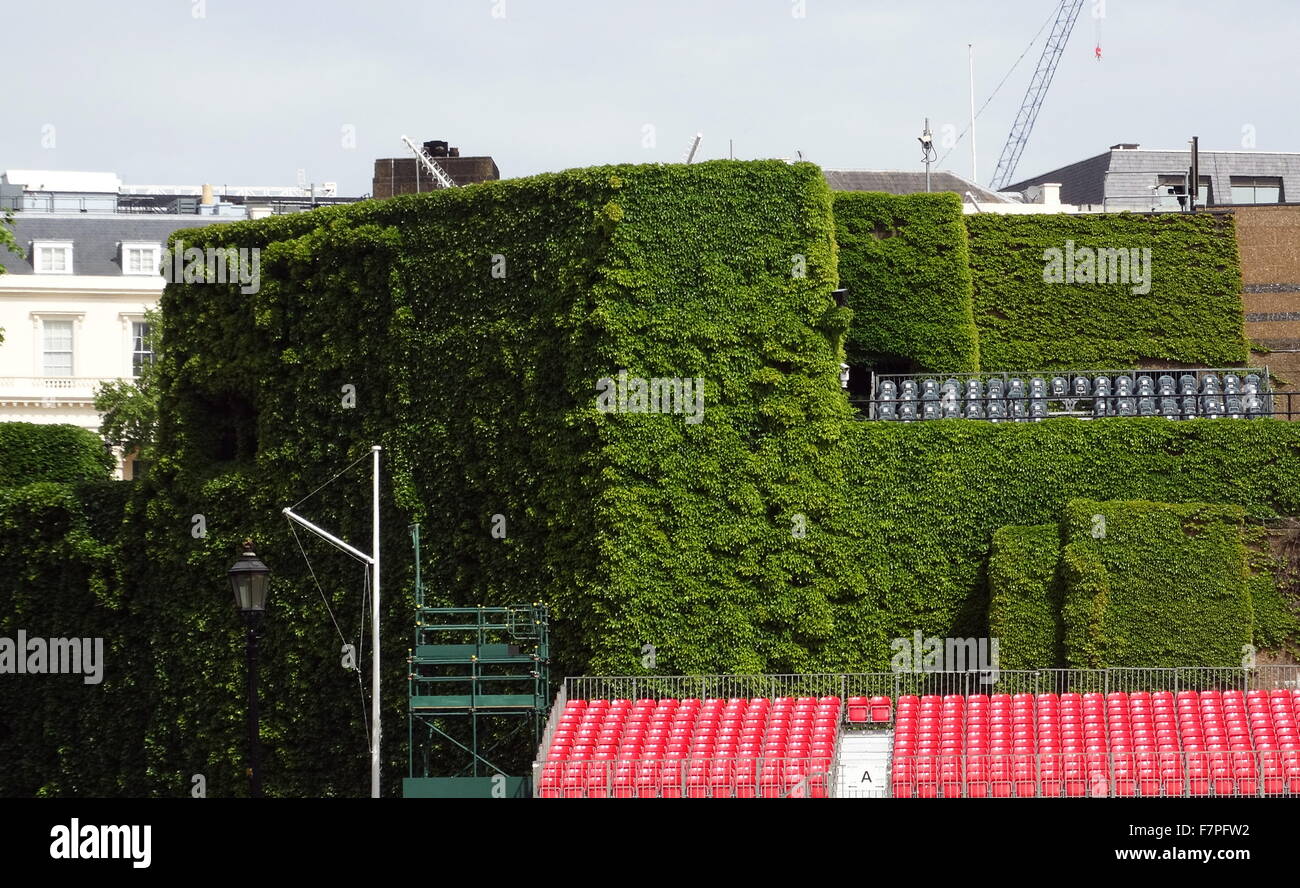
479, 690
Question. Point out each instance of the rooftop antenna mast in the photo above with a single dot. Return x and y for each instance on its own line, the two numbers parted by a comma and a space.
928, 154
430, 165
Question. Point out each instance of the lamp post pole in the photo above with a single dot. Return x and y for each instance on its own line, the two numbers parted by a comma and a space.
254, 733
248, 580
376, 732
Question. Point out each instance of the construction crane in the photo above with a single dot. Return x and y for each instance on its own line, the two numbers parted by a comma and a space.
430, 165
1067, 12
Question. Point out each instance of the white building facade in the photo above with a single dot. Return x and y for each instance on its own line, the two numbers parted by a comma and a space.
72, 309
66, 334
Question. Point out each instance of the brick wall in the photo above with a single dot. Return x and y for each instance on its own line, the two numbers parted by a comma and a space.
404, 175
1269, 241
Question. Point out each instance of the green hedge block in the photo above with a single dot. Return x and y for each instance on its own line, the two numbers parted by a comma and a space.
470, 328
59, 563
926, 499
464, 331
905, 262
1155, 584
1025, 596
1086, 595
1192, 313
31, 452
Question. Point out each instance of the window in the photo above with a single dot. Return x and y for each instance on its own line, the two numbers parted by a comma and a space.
140, 258
141, 347
56, 358
1256, 189
52, 257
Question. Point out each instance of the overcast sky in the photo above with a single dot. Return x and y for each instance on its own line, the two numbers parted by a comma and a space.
251, 91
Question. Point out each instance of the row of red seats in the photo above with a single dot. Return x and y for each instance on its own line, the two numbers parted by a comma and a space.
869, 709
1155, 743
701, 778
694, 748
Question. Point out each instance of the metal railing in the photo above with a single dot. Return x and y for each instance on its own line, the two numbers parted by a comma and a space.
548, 735
48, 202
835, 781
895, 684
703, 686
1072, 377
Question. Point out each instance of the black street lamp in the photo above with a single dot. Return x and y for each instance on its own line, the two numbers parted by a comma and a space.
248, 579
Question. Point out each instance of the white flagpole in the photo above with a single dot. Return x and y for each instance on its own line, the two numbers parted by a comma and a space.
374, 635
373, 561
974, 163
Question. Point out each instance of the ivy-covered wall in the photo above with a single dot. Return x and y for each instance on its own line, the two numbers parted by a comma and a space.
465, 332
1192, 312
1155, 584
905, 263
927, 499
937, 291
59, 562
1025, 596
1136, 584
59, 521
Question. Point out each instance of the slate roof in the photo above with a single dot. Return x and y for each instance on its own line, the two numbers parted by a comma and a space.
909, 182
95, 239
1081, 183
1125, 175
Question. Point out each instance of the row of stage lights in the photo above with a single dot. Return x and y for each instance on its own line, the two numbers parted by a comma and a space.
1233, 396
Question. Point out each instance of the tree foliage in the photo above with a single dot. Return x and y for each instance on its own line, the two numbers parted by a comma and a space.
129, 407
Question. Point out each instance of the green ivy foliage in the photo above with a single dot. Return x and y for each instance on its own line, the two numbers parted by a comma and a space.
1155, 584
464, 331
905, 263
1193, 313
469, 327
1030, 613
935, 291
31, 452
927, 498
59, 563
1025, 596
1277, 612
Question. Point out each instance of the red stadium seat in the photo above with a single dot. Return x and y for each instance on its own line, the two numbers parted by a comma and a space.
880, 709
858, 709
